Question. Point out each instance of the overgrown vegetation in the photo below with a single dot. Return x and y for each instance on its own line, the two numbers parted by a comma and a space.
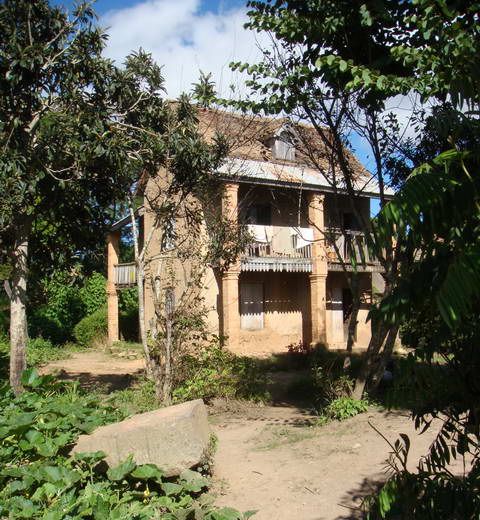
92, 327
214, 371
40, 479
40, 351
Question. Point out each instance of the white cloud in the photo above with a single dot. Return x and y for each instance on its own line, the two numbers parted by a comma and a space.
184, 40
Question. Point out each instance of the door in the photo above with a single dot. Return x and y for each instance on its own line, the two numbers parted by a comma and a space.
337, 315
251, 306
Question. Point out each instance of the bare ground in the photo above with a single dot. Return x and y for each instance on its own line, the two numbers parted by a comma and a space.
270, 458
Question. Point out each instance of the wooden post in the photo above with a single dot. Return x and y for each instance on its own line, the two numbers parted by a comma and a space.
113, 244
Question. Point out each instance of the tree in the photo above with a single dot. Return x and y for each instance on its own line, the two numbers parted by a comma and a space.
76, 132
310, 72
377, 50
182, 204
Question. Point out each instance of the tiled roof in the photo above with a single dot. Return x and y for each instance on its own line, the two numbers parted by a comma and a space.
251, 159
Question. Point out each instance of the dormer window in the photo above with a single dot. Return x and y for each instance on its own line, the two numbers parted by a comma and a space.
283, 148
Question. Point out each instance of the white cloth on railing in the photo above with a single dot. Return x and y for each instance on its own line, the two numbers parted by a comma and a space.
261, 234
304, 236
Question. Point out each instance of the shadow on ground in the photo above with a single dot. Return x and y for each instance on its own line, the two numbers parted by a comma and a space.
104, 383
353, 500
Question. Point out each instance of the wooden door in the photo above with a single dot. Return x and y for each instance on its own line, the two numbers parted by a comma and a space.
337, 335
251, 306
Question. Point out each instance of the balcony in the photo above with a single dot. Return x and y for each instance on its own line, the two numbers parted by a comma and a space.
125, 274
278, 248
350, 246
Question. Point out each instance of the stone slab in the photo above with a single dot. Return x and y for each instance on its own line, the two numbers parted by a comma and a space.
174, 438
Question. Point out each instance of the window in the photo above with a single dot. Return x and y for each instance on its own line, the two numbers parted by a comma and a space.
283, 147
260, 214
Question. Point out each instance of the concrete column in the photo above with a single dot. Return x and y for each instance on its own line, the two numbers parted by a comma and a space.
230, 201
318, 278
113, 244
230, 308
230, 299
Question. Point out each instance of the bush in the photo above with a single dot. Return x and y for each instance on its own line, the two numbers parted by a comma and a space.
216, 372
128, 313
91, 328
62, 309
344, 407
93, 294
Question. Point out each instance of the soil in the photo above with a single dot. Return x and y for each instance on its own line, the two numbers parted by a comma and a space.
273, 459
98, 370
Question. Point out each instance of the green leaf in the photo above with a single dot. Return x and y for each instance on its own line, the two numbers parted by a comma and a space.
122, 470
169, 488
147, 472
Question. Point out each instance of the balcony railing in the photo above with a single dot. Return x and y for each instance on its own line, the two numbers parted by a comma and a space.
125, 274
349, 245
278, 248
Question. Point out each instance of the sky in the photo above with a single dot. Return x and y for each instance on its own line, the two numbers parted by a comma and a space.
186, 36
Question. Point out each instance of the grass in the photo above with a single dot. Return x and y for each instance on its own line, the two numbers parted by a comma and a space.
139, 398
275, 436
41, 351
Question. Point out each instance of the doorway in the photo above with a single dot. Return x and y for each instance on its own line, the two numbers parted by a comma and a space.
251, 306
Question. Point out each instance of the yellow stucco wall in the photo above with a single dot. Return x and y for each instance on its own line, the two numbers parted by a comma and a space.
286, 296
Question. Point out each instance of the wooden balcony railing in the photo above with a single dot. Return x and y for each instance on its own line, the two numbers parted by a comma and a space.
279, 242
125, 274
350, 245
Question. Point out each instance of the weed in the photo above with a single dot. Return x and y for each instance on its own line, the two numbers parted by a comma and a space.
137, 399
344, 407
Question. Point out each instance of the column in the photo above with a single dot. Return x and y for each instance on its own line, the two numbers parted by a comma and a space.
318, 277
113, 243
230, 301
230, 308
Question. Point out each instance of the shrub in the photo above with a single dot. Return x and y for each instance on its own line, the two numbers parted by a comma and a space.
93, 294
344, 407
62, 309
216, 372
92, 327
128, 313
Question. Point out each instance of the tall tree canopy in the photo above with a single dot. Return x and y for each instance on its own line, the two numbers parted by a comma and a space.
349, 58
76, 132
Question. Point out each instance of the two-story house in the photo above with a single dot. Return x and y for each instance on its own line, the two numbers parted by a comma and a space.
290, 285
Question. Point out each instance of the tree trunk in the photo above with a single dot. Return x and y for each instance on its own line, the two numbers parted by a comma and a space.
141, 317
167, 381
140, 265
379, 332
18, 304
385, 358
353, 321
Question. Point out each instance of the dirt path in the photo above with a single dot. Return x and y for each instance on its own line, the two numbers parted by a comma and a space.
97, 369
270, 458
275, 464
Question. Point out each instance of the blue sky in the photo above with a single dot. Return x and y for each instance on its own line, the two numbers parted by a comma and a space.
186, 36
103, 6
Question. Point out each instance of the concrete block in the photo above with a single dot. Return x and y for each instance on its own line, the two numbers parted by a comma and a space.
174, 438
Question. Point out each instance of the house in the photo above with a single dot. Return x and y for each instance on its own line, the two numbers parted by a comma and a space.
290, 285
